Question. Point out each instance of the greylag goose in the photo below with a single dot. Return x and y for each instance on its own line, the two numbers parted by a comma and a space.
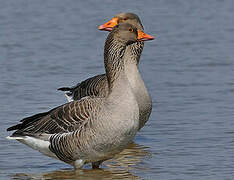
93, 129
98, 86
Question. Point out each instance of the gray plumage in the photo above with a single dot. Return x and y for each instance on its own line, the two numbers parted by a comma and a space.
98, 86
92, 129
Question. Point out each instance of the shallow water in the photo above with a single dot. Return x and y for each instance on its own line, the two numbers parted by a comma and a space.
188, 69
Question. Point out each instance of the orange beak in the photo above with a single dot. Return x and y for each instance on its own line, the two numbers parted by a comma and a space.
109, 25
143, 36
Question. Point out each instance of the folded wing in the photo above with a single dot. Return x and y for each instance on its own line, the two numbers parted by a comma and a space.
63, 119
94, 86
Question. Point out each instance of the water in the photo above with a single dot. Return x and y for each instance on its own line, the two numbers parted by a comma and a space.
188, 69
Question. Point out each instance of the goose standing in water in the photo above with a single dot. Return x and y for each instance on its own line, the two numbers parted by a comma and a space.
98, 85
93, 129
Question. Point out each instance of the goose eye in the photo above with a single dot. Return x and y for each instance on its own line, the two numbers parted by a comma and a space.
130, 30
124, 19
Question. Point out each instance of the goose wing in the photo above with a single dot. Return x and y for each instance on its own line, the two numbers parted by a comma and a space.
63, 119
94, 86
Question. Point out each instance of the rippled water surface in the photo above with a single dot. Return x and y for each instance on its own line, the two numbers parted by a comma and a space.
188, 69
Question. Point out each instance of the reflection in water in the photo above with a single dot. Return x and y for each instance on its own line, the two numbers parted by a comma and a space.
79, 174
119, 167
130, 157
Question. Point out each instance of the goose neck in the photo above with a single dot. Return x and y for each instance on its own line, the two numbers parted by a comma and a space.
114, 62
133, 53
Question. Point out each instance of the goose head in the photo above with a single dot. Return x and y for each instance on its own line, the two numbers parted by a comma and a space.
130, 18
126, 34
